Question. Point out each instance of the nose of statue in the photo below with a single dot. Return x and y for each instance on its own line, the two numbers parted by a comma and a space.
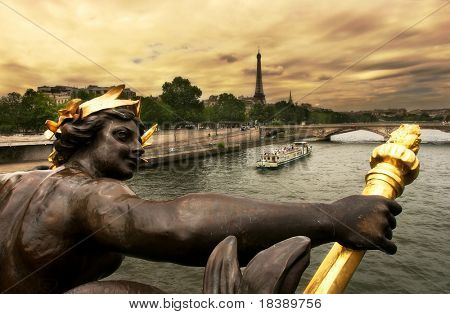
138, 150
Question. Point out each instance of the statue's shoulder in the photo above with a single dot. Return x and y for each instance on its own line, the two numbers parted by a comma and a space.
72, 183
83, 184
107, 186
28, 176
69, 179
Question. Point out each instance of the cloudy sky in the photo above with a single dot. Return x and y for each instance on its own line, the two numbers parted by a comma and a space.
304, 45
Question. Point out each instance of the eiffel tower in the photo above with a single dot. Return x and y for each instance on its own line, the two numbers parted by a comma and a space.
290, 101
259, 91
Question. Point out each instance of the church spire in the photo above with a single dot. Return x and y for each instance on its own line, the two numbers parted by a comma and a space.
259, 91
290, 102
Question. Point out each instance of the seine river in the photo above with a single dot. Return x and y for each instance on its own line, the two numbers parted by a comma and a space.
334, 170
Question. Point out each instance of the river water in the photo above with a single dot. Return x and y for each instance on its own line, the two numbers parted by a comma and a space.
334, 170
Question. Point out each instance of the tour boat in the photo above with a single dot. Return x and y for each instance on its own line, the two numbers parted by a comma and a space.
284, 155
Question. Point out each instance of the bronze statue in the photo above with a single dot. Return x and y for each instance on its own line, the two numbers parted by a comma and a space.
65, 228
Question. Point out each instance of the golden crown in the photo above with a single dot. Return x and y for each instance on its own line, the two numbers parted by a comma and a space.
76, 110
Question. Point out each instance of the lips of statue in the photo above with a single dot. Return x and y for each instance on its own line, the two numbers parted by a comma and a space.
116, 149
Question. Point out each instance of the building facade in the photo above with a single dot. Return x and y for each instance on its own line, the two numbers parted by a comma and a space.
62, 94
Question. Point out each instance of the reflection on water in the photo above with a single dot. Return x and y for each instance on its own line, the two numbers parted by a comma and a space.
334, 170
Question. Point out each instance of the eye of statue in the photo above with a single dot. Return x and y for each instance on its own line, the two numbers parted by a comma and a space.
121, 135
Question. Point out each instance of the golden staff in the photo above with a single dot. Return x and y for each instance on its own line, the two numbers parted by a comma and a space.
394, 165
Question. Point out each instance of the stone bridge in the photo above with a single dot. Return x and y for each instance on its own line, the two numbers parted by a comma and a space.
325, 131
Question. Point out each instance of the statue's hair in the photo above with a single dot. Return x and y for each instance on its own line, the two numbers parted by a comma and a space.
78, 134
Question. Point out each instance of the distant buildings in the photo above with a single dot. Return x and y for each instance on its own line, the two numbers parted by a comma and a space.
98, 90
248, 101
57, 89
432, 112
401, 112
307, 106
211, 101
62, 94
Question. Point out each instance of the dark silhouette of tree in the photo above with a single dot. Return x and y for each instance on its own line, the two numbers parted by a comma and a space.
26, 113
154, 110
184, 99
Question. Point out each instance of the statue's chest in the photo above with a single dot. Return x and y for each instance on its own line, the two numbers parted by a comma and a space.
98, 265
71, 263
81, 267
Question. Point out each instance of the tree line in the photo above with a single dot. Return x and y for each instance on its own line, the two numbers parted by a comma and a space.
26, 113
178, 105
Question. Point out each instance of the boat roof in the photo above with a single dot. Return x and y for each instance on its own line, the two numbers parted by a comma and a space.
297, 143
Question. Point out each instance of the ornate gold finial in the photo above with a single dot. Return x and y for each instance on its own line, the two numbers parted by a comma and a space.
76, 110
407, 135
394, 165
399, 155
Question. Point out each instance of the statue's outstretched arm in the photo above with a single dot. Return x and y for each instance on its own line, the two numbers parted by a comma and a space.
186, 230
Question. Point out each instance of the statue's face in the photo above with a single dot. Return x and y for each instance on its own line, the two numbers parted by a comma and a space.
116, 149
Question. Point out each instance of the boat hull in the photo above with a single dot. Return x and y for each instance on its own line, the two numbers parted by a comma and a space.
261, 164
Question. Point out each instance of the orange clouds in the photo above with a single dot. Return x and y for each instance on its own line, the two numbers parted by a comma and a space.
214, 44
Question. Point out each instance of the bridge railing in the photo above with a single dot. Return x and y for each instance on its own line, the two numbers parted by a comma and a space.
365, 124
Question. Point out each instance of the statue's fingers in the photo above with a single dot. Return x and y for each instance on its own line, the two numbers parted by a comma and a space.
388, 246
392, 221
394, 207
388, 233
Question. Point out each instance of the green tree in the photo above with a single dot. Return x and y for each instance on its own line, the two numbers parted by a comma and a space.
366, 117
325, 116
35, 108
184, 98
257, 112
9, 117
211, 114
289, 113
285, 112
26, 113
230, 108
154, 110
269, 114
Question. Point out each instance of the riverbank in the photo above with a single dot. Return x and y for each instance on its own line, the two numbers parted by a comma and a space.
24, 152
152, 161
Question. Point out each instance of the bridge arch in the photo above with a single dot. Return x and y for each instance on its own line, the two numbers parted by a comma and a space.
357, 136
384, 133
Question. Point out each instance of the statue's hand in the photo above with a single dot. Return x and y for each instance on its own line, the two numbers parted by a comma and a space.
365, 222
